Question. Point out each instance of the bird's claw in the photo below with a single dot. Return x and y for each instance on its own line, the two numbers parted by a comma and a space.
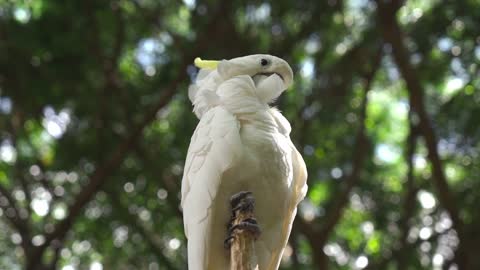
249, 224
239, 197
228, 242
241, 202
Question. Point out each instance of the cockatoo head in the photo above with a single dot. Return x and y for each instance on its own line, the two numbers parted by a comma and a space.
270, 74
256, 66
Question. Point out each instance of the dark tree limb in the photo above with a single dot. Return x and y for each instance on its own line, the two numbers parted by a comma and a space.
17, 122
295, 249
409, 197
13, 213
393, 35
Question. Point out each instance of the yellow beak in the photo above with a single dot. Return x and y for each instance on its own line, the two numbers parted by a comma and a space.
209, 64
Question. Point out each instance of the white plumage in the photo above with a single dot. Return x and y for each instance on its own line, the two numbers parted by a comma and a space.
240, 144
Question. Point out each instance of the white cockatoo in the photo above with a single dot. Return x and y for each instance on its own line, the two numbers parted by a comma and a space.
240, 144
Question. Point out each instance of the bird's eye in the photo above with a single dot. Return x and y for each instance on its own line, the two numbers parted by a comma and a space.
264, 62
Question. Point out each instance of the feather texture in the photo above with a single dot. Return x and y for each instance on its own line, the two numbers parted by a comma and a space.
213, 149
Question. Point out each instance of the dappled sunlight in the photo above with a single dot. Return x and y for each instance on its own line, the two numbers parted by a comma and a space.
94, 212
120, 235
307, 70
390, 130
95, 123
38, 240
162, 194
55, 124
342, 47
149, 53
452, 87
336, 173
287, 254
144, 215
445, 44
41, 201
334, 250
427, 200
412, 11
59, 211
257, 14
419, 162
308, 210
16, 238
425, 233
443, 224
367, 228
5, 105
174, 244
8, 153
356, 16
361, 262
190, 3
22, 15
96, 266
386, 153
68, 267
40, 206
312, 45
437, 261
80, 247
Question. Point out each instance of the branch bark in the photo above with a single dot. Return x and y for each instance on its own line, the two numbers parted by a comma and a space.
393, 35
244, 231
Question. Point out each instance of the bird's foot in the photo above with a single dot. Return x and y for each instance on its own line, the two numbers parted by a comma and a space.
228, 242
242, 197
249, 224
242, 219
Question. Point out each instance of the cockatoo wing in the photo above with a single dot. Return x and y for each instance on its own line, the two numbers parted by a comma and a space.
214, 147
300, 174
298, 189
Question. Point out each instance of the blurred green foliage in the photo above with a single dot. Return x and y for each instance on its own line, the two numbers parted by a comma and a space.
95, 123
